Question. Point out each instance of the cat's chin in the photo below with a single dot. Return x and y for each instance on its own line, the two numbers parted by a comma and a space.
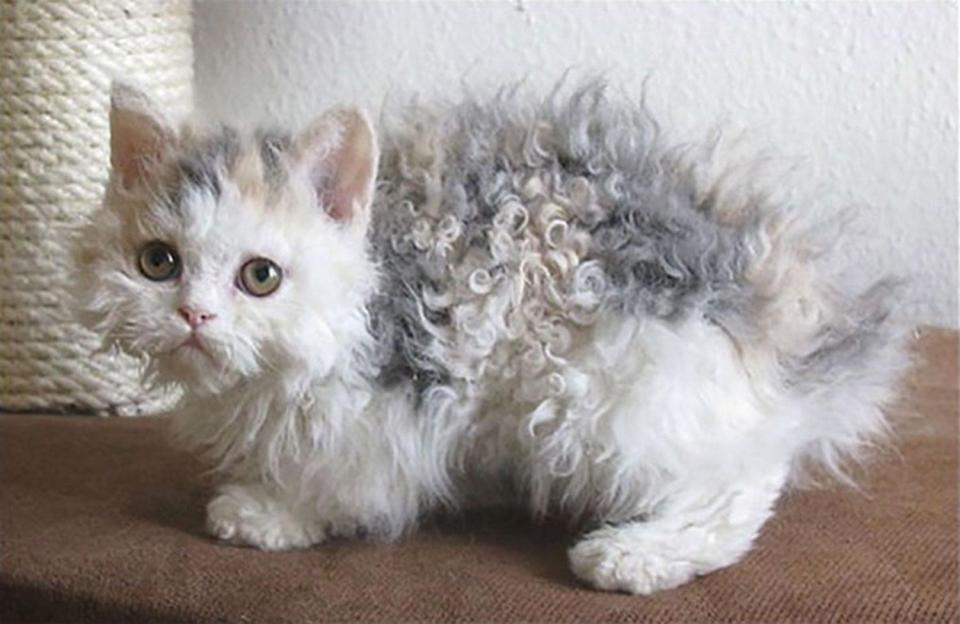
196, 369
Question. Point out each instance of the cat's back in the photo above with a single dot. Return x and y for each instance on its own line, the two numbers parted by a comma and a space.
503, 228
543, 263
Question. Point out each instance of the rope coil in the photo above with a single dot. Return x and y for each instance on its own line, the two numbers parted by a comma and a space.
57, 60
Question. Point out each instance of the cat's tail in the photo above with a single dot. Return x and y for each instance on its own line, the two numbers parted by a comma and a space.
847, 379
839, 348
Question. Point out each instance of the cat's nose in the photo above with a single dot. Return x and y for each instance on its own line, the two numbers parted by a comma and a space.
195, 318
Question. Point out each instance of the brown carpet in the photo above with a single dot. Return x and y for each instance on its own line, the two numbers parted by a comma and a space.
101, 521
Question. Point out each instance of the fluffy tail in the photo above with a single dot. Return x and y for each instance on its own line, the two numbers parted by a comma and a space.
846, 377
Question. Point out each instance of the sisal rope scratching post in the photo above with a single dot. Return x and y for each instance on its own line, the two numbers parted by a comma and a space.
57, 59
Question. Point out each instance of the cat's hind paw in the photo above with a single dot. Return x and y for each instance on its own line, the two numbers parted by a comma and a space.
250, 517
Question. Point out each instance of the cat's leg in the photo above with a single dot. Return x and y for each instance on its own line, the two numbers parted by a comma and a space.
256, 515
366, 491
317, 508
701, 528
367, 479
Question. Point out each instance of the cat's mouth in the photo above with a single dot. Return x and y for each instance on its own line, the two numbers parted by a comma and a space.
196, 361
192, 343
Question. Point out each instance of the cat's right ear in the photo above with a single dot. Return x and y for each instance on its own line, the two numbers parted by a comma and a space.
139, 133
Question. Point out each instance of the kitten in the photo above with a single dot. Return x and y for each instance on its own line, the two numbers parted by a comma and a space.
494, 300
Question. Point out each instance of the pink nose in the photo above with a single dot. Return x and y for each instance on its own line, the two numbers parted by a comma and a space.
195, 318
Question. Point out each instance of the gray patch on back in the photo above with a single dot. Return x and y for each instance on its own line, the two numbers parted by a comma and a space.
666, 261
661, 253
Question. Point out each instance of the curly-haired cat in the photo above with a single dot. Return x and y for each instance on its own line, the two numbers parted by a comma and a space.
538, 303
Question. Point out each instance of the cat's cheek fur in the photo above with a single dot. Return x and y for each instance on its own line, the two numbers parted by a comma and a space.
110, 294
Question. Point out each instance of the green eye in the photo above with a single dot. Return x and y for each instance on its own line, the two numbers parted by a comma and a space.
159, 261
260, 277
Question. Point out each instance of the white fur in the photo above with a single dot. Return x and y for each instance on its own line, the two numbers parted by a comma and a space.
672, 439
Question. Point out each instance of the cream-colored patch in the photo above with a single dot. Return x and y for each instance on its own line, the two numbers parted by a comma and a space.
247, 173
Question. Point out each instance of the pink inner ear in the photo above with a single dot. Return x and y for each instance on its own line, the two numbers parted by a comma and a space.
136, 141
132, 155
341, 180
349, 191
338, 205
331, 199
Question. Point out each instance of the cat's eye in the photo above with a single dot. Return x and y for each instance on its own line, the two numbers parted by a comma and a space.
159, 261
260, 277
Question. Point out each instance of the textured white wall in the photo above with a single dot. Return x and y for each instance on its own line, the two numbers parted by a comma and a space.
865, 94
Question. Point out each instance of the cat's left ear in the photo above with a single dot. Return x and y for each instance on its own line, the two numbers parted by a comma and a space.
339, 153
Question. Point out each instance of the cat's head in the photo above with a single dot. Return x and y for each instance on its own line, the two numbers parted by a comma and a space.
221, 256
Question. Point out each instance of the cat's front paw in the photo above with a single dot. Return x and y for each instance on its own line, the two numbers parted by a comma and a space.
613, 560
250, 517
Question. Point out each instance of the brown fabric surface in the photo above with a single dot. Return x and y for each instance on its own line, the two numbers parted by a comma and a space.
100, 520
